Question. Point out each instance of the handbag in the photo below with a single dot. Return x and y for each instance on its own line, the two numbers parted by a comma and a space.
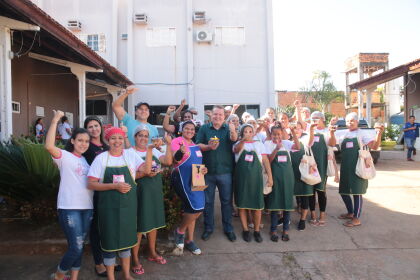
365, 168
266, 189
330, 166
308, 169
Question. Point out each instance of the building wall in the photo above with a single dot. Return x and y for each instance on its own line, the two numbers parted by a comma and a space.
53, 92
203, 73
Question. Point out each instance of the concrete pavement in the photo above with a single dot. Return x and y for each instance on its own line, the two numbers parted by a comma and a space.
386, 246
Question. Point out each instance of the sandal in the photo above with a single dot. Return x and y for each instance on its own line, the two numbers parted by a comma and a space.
351, 224
66, 277
314, 222
285, 237
345, 216
321, 223
139, 270
158, 259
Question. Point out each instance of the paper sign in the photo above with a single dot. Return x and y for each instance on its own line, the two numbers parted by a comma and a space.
349, 145
198, 154
249, 158
198, 182
282, 158
316, 138
118, 179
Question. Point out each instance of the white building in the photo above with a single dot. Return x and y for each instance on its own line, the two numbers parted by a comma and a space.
206, 51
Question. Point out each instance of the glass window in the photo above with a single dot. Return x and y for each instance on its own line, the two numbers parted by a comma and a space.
93, 42
96, 107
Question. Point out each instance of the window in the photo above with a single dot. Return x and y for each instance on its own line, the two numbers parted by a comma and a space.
16, 107
161, 37
94, 41
230, 36
39, 111
96, 107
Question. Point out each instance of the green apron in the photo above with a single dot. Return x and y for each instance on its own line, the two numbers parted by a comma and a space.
249, 182
281, 197
350, 183
150, 210
117, 212
320, 152
301, 188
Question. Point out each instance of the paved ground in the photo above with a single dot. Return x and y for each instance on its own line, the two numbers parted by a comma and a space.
386, 246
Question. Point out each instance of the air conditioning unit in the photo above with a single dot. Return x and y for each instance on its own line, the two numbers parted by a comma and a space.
74, 25
140, 18
204, 36
199, 17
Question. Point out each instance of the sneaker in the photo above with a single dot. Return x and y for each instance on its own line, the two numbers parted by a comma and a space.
410, 159
301, 225
257, 236
193, 248
246, 235
179, 239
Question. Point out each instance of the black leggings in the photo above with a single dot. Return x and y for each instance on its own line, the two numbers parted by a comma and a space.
322, 201
303, 201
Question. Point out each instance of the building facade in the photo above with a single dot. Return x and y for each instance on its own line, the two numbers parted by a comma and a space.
207, 52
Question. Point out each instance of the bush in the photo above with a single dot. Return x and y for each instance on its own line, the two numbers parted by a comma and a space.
29, 177
392, 132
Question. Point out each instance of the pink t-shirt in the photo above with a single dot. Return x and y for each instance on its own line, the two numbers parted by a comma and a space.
175, 146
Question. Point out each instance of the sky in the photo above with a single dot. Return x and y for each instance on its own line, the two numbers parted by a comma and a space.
314, 35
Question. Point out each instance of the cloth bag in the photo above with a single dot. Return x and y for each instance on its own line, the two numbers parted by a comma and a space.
308, 169
365, 168
266, 189
330, 166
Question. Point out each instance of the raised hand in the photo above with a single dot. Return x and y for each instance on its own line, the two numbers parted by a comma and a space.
334, 120
297, 103
170, 109
131, 89
183, 102
168, 139
58, 114
235, 106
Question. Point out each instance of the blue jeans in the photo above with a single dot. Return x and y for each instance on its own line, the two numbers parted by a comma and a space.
275, 220
109, 257
224, 185
75, 224
358, 203
409, 142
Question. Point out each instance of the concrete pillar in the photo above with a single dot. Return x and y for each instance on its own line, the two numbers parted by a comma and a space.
6, 116
81, 77
360, 104
369, 106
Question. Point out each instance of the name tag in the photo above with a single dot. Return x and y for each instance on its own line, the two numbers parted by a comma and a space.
349, 145
316, 138
249, 158
282, 158
118, 179
198, 154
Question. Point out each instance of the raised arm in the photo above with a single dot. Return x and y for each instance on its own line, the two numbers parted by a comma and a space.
332, 128
179, 109
50, 139
234, 108
117, 105
167, 159
232, 132
166, 126
296, 143
375, 144
298, 114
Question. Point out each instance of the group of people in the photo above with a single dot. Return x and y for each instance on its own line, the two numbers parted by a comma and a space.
111, 183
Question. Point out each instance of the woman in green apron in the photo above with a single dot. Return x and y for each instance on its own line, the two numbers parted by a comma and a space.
302, 190
350, 184
281, 196
250, 156
112, 174
320, 151
150, 206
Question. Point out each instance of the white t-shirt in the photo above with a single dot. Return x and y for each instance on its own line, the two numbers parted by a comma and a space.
38, 129
366, 136
73, 192
256, 146
156, 153
128, 158
286, 146
62, 129
260, 136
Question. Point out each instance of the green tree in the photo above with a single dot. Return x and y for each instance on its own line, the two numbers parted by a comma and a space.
321, 90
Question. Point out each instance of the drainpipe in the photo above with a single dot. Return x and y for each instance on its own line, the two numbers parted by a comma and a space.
190, 97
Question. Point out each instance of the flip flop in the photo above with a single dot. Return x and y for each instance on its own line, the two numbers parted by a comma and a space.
158, 259
350, 224
139, 270
321, 223
345, 217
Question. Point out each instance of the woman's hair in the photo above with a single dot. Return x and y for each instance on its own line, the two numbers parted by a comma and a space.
242, 129
183, 124
69, 146
276, 126
185, 112
63, 119
93, 118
